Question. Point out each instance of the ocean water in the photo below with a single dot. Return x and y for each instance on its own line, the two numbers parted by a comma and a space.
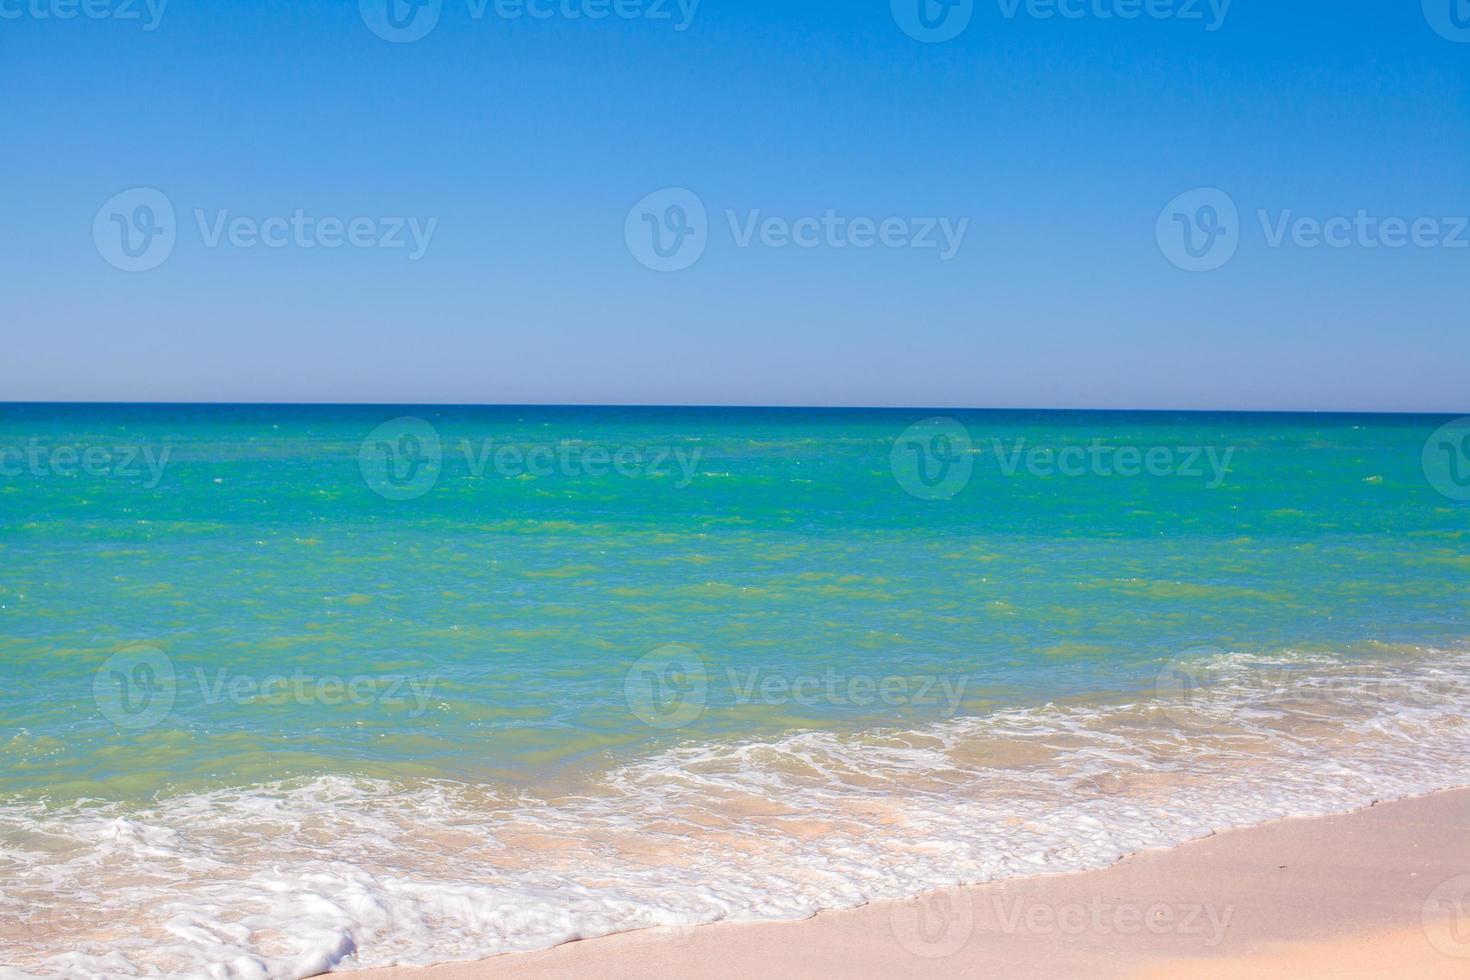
289, 689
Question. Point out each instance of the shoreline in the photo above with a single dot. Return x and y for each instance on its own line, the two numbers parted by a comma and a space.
1386, 887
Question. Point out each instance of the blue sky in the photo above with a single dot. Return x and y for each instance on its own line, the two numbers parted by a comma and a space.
526, 142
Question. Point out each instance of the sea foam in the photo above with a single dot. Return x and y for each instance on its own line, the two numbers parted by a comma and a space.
292, 879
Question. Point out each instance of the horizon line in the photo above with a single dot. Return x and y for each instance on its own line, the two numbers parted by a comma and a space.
715, 406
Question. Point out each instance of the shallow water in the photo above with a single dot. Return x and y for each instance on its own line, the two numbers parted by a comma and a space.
293, 692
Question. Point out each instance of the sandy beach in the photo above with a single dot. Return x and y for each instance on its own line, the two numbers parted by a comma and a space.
1381, 892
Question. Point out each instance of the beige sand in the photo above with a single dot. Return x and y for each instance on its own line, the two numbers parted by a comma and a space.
1384, 892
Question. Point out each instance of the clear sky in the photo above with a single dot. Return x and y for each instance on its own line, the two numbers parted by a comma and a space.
528, 140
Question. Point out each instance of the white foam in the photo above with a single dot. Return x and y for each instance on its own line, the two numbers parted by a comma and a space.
338, 873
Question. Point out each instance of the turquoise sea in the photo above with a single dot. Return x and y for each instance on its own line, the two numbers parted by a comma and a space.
286, 689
